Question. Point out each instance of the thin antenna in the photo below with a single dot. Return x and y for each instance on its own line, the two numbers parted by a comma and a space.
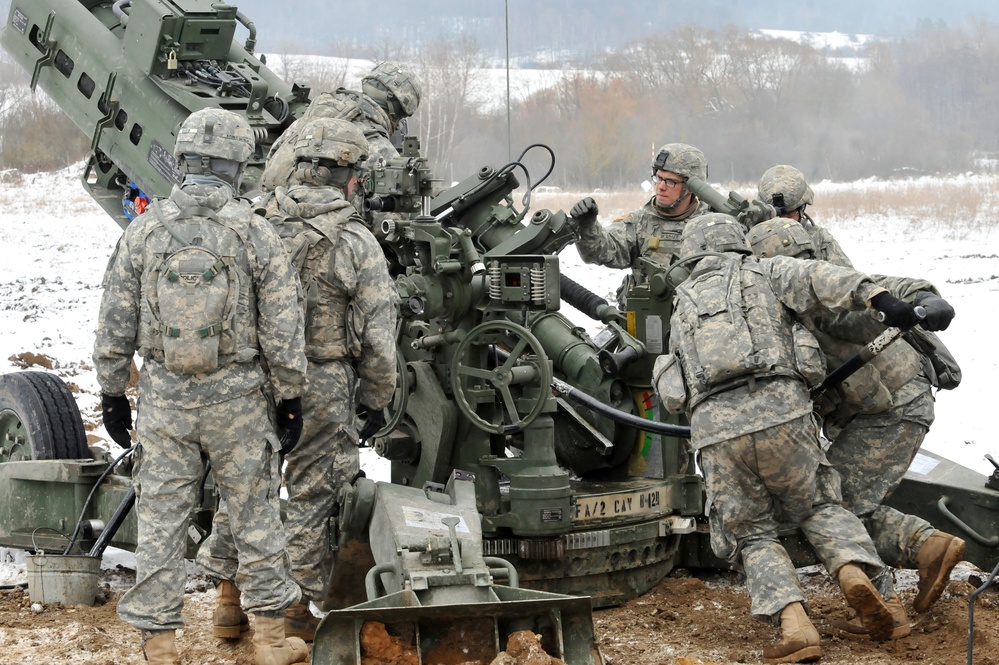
509, 137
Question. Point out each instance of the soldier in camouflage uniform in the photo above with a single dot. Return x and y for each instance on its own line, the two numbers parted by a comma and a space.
350, 343
876, 421
740, 367
204, 386
785, 188
389, 94
652, 231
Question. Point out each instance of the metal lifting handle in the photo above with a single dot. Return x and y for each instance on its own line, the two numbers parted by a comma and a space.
372, 579
974, 535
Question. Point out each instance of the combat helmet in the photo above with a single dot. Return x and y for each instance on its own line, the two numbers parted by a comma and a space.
216, 133
713, 232
214, 141
395, 87
784, 187
780, 237
327, 151
682, 159
332, 142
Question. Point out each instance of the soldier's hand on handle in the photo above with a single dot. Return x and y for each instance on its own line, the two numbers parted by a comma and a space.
116, 413
584, 213
289, 419
939, 312
895, 313
375, 421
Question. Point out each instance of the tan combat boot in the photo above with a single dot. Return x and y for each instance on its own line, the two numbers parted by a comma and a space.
799, 639
229, 620
160, 648
855, 627
270, 647
936, 559
866, 600
300, 622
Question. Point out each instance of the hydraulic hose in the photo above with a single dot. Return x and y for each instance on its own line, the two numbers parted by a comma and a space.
667, 429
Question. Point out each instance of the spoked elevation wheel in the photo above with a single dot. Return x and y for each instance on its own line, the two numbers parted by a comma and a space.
523, 364
39, 419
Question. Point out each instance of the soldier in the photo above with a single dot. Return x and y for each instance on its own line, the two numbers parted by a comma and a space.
389, 94
350, 343
739, 366
653, 230
876, 422
203, 290
785, 188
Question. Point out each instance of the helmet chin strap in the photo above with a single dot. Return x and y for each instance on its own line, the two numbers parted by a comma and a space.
684, 196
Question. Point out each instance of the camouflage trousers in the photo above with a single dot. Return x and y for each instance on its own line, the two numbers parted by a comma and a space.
758, 481
325, 458
234, 436
872, 454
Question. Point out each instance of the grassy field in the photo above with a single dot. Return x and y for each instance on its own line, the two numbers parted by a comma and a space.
969, 202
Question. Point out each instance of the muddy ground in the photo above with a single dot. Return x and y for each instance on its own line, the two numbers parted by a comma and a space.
688, 619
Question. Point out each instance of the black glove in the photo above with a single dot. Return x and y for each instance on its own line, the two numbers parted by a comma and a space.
939, 312
375, 421
584, 213
116, 413
289, 419
897, 313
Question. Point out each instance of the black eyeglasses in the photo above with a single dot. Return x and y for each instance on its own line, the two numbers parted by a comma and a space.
669, 182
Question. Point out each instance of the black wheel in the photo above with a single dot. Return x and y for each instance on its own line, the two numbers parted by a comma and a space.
39, 419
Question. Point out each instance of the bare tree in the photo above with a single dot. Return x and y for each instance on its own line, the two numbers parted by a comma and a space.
449, 72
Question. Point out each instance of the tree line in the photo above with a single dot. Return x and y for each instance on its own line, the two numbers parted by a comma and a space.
917, 104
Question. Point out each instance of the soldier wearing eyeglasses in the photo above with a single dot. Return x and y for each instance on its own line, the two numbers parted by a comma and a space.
653, 230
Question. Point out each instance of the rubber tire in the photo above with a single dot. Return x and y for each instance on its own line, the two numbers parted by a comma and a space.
48, 413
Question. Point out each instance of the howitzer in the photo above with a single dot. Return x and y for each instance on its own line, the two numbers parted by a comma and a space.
481, 341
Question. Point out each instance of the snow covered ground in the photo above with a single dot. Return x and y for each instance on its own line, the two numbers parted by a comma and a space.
56, 242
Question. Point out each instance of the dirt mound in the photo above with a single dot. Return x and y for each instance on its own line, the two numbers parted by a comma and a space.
688, 619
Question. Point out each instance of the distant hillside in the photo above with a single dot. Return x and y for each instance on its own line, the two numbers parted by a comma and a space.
579, 27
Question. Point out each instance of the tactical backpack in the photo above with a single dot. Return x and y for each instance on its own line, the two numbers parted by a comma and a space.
193, 292
728, 323
299, 246
327, 296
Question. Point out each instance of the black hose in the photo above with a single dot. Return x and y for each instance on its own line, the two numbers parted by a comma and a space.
120, 513
90, 497
580, 297
652, 426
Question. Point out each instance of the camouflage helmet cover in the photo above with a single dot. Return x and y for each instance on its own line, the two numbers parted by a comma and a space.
682, 159
780, 237
714, 232
787, 183
333, 140
395, 87
217, 133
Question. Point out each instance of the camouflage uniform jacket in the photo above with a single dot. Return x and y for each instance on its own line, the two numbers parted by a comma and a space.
877, 385
773, 396
344, 104
826, 248
268, 324
351, 313
646, 232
